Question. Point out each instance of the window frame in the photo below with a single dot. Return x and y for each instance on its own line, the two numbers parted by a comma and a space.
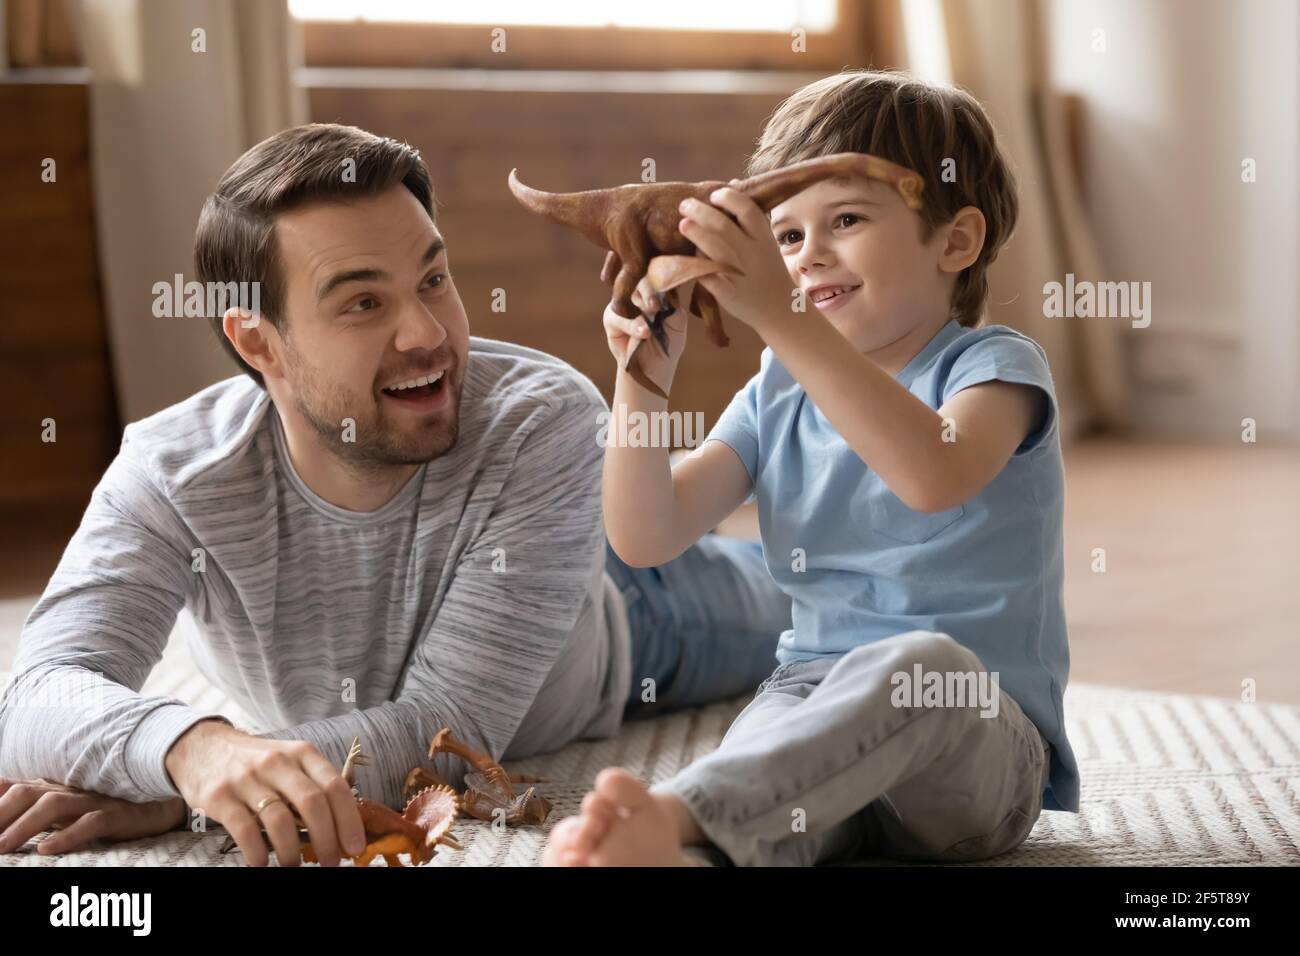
467, 46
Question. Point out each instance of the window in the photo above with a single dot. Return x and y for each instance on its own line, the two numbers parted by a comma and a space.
773, 15
797, 35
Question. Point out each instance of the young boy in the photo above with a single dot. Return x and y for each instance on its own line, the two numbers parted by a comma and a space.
908, 476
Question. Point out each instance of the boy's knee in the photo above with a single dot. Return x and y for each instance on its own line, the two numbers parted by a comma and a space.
1013, 830
934, 651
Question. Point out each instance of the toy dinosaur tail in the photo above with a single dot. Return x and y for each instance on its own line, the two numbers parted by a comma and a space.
583, 211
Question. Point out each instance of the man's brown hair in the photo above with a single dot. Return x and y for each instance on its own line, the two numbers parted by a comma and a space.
235, 239
917, 125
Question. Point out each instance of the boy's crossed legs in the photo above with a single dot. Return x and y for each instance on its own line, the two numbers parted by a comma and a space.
822, 766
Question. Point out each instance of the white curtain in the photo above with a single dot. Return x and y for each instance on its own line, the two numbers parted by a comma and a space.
171, 108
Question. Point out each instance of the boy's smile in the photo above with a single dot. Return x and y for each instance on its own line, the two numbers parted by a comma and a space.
831, 296
855, 250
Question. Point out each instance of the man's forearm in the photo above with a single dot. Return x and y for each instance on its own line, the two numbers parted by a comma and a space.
394, 736
77, 727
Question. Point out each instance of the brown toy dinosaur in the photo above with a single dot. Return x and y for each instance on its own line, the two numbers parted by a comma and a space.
432, 806
488, 794
638, 222
417, 831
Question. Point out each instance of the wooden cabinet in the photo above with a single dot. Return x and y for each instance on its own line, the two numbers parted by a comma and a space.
54, 360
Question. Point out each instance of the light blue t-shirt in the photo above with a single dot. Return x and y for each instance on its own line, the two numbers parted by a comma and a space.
988, 572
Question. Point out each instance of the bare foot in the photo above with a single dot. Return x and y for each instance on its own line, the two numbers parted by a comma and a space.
621, 824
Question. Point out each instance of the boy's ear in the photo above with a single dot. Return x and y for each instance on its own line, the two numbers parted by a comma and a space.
964, 239
251, 336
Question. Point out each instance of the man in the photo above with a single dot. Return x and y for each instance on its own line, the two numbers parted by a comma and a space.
386, 527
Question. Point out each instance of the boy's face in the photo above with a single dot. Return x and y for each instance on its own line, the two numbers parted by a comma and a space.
369, 304
859, 234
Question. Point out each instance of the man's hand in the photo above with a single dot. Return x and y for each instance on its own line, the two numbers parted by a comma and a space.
762, 292
228, 774
29, 807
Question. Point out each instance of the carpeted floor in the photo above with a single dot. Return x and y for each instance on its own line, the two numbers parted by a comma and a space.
1168, 780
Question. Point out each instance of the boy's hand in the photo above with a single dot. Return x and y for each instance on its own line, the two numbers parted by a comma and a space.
625, 334
762, 292
29, 807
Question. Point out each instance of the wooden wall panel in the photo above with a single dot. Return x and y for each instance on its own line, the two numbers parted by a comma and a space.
54, 360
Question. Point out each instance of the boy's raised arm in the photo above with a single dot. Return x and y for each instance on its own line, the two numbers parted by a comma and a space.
654, 512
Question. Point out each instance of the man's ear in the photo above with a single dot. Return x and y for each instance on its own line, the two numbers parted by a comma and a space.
964, 240
251, 336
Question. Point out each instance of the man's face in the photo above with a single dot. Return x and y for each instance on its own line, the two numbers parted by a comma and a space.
859, 234
369, 307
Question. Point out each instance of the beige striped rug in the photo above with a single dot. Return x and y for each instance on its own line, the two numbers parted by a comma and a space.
1168, 780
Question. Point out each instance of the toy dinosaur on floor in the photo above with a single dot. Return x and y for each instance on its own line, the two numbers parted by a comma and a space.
431, 806
637, 224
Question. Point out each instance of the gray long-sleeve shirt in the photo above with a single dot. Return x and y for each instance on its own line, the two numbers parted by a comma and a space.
475, 599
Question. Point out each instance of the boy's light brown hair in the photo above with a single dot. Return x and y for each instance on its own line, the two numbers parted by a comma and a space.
917, 125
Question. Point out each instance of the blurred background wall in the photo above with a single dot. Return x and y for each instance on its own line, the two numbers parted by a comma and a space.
1183, 94
1128, 123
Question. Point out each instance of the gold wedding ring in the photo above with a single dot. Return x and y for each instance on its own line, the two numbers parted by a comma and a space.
266, 802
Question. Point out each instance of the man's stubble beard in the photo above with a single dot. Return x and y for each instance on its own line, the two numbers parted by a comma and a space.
378, 444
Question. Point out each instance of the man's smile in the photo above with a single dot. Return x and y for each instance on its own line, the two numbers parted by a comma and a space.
421, 393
